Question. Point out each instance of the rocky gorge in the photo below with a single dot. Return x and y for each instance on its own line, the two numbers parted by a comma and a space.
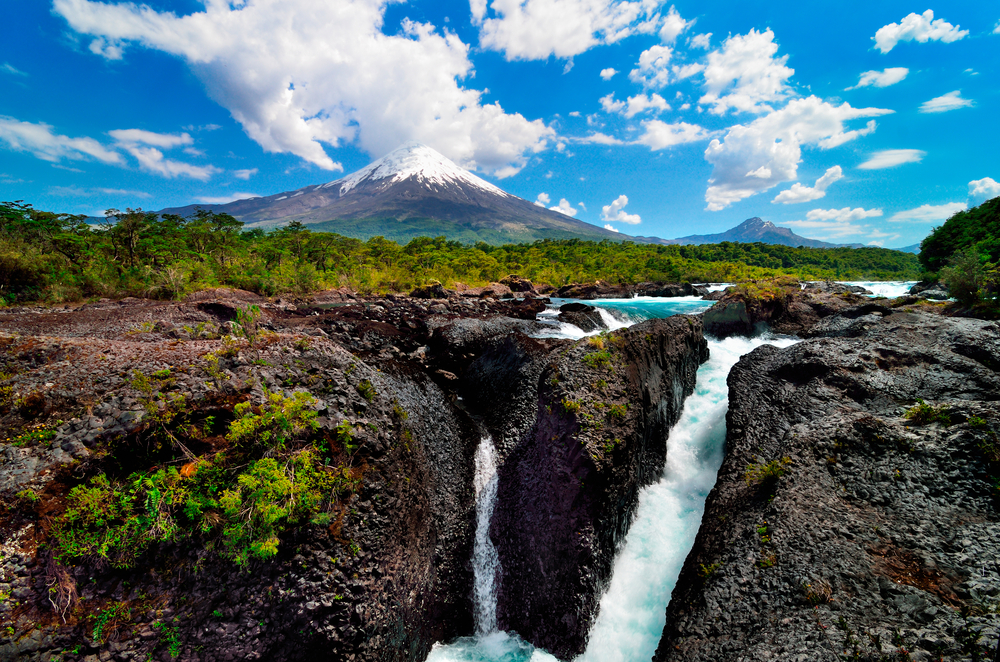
879, 531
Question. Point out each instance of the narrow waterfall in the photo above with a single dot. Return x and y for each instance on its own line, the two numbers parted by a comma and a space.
485, 562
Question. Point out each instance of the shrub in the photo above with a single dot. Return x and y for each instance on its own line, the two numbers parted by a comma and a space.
366, 390
923, 414
766, 474
279, 420
570, 406
600, 359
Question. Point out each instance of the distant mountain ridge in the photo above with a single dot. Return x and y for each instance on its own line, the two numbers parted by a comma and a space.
411, 192
753, 230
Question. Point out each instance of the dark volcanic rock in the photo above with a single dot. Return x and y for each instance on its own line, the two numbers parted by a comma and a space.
881, 537
781, 306
568, 490
587, 318
596, 290
668, 290
517, 284
432, 291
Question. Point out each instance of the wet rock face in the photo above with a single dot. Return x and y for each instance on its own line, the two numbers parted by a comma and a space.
870, 533
600, 412
587, 318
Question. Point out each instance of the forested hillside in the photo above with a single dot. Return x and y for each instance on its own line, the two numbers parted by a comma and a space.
964, 252
46, 256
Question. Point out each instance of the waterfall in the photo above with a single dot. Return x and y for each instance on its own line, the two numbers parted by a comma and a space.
485, 562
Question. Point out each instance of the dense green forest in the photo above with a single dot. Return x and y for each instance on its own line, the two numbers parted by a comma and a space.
51, 257
965, 254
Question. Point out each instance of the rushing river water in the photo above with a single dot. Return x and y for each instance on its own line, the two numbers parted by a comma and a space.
632, 611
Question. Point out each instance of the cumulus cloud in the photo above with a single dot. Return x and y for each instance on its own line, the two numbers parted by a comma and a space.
981, 190
799, 193
223, 199
659, 135
745, 75
598, 138
944, 103
928, 213
564, 208
543, 199
301, 74
40, 140
653, 67
145, 147
996, 30
536, 29
758, 156
608, 74
889, 158
884, 78
608, 226
703, 41
616, 212
634, 105
245, 174
917, 27
673, 26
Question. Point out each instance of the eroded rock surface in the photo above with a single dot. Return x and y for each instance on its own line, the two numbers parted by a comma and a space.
600, 412
880, 539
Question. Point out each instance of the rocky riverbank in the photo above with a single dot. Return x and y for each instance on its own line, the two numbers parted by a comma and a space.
855, 514
393, 394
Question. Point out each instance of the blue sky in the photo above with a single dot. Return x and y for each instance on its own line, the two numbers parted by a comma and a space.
848, 121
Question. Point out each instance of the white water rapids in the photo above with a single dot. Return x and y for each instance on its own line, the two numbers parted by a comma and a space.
633, 609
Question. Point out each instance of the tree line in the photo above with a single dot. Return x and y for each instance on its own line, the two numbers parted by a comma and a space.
52, 257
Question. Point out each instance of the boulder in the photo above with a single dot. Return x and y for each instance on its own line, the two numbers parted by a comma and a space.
587, 318
431, 291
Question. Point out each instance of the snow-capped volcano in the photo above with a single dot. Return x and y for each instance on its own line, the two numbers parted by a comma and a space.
413, 160
411, 192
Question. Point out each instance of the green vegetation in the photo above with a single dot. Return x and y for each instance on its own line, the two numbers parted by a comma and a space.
923, 413
766, 474
964, 253
706, 571
273, 475
46, 256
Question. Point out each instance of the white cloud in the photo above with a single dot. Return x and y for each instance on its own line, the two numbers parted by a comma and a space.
616, 212
944, 103
608, 74
39, 140
145, 147
8, 68
799, 193
884, 78
76, 191
981, 190
574, 113
889, 158
223, 199
659, 135
301, 74
153, 160
928, 213
703, 41
564, 208
835, 223
653, 67
845, 215
543, 199
598, 138
996, 30
536, 29
635, 105
917, 27
608, 226
673, 26
245, 174
164, 140
745, 75
774, 142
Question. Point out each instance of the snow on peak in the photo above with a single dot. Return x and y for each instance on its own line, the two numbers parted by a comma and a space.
414, 159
